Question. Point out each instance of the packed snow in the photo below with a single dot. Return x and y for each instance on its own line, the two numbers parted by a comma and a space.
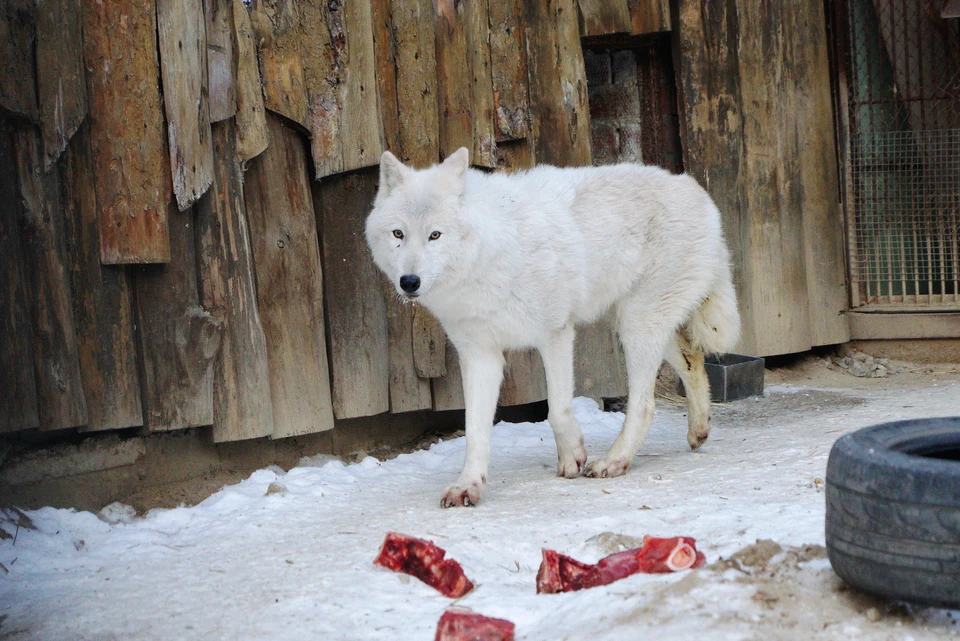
288, 555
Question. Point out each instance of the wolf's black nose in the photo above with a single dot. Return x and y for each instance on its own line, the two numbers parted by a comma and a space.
410, 283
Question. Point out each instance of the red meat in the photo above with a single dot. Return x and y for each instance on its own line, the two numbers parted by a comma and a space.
424, 560
560, 573
456, 625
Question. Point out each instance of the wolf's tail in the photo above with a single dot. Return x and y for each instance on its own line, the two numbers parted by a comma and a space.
714, 327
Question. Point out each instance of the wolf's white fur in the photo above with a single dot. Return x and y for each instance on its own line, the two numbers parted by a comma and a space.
523, 258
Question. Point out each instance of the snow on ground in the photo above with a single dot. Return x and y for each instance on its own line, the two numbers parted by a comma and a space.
288, 555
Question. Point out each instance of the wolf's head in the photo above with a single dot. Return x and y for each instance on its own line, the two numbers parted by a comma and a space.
416, 231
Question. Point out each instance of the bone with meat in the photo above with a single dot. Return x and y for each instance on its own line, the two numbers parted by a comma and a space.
457, 625
425, 561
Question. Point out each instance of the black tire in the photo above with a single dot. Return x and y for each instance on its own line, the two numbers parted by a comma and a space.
893, 510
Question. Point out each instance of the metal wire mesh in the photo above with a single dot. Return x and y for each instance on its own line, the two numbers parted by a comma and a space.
904, 101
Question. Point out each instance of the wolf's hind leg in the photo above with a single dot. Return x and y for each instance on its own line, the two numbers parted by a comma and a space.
688, 361
557, 357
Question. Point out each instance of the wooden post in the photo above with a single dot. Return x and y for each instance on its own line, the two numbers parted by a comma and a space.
508, 63
251, 119
56, 362
355, 311
276, 29
60, 75
18, 64
484, 151
18, 387
221, 83
283, 235
102, 303
126, 130
242, 407
183, 61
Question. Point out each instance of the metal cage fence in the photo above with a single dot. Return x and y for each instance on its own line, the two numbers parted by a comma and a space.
904, 127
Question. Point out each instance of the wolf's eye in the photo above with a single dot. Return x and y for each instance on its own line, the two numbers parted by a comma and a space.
435, 235
397, 234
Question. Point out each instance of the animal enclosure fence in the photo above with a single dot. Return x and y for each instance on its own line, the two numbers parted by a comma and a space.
900, 76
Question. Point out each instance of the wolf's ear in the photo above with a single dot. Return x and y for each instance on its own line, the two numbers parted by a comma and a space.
458, 161
392, 173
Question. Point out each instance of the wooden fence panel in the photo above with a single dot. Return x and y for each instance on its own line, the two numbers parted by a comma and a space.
252, 136
276, 28
283, 235
408, 390
453, 78
484, 153
102, 303
18, 64
56, 360
508, 64
414, 30
126, 130
242, 407
448, 389
183, 63
60, 76
18, 387
221, 81
355, 311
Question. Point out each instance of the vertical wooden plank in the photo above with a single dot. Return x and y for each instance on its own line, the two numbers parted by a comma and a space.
276, 28
481, 85
18, 387
126, 134
183, 63
18, 63
56, 360
251, 118
242, 407
649, 16
283, 235
408, 390
523, 378
448, 389
558, 85
385, 55
356, 316
361, 126
604, 17
414, 30
429, 343
102, 303
453, 78
60, 75
599, 367
221, 83
177, 339
508, 63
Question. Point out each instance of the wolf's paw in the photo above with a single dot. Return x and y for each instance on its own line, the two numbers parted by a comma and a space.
603, 468
569, 465
696, 438
462, 494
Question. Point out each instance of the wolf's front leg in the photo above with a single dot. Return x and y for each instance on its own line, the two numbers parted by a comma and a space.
557, 355
482, 372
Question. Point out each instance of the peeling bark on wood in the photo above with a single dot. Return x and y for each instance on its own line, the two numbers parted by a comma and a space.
56, 361
283, 235
508, 62
481, 85
276, 28
242, 407
18, 386
252, 137
221, 85
649, 16
60, 75
18, 66
183, 62
126, 130
413, 24
355, 311
102, 304
604, 17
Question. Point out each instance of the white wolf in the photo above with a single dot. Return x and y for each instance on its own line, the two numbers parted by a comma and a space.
516, 261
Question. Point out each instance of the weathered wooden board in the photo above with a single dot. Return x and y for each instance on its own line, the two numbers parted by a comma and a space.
429, 344
252, 136
18, 63
60, 76
515, 155
454, 81
102, 303
408, 390
448, 389
183, 63
221, 82
484, 153
599, 369
126, 130
339, 72
604, 17
283, 235
414, 30
558, 85
177, 339
649, 16
242, 407
356, 315
385, 56
508, 64
18, 387
56, 361
523, 378
276, 27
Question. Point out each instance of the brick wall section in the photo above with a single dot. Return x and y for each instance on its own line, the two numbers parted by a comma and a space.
633, 105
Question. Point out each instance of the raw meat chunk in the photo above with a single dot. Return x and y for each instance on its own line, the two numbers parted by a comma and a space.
560, 573
424, 560
456, 625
